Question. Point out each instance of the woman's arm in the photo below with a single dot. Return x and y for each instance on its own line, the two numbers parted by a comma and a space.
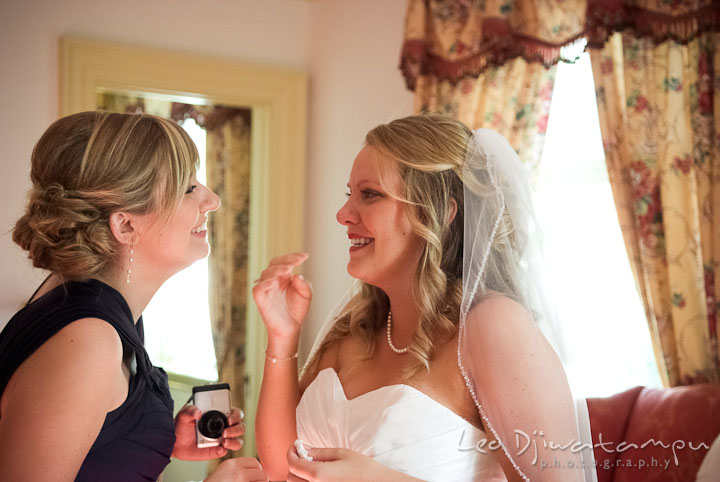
523, 389
340, 465
239, 469
55, 404
283, 300
509, 474
275, 426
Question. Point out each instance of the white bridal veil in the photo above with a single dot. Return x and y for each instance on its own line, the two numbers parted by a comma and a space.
502, 253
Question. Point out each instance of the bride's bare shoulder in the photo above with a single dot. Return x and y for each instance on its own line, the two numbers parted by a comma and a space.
329, 358
340, 355
497, 323
496, 309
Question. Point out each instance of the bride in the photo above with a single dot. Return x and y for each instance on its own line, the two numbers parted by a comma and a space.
435, 368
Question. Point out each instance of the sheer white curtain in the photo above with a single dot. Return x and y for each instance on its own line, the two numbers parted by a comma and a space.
597, 303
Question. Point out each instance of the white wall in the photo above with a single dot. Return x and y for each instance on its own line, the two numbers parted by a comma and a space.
350, 49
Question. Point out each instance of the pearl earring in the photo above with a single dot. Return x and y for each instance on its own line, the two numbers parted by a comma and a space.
127, 280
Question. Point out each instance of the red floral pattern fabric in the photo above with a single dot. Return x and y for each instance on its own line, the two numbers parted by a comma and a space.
659, 108
454, 39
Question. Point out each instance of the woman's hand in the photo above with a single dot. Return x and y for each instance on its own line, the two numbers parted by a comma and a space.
282, 298
241, 469
186, 442
341, 465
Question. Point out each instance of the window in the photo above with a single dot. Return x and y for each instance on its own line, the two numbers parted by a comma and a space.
177, 320
598, 304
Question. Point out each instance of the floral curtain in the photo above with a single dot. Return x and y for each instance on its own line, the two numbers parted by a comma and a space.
228, 144
659, 107
513, 99
489, 63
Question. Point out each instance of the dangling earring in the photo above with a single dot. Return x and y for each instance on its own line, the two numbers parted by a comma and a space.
127, 280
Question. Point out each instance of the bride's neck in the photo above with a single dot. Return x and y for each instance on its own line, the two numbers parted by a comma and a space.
405, 317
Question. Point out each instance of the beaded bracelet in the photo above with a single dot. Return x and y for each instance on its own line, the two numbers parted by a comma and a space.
275, 360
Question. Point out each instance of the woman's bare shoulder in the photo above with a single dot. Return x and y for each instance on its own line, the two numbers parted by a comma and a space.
497, 303
328, 359
499, 313
87, 339
62, 392
82, 352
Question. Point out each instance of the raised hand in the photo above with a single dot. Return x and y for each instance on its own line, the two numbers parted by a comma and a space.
282, 298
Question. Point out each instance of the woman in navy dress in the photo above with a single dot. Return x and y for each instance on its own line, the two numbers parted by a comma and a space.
114, 210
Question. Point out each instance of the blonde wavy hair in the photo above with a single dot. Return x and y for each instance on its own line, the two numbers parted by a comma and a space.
87, 166
428, 151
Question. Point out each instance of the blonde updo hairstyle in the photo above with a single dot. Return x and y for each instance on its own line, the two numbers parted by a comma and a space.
87, 166
428, 152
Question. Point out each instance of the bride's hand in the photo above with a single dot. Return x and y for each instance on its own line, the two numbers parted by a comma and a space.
339, 465
241, 469
282, 298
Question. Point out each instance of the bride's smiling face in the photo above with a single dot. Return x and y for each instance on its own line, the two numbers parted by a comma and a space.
384, 247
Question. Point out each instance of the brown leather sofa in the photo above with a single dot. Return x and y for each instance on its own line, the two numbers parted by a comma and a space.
654, 435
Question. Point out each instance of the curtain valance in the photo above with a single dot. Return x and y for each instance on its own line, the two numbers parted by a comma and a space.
453, 39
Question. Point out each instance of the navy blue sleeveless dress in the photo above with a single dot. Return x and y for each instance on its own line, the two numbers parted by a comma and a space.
137, 438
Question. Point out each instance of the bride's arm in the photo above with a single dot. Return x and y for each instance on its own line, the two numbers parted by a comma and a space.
340, 465
279, 396
283, 300
522, 387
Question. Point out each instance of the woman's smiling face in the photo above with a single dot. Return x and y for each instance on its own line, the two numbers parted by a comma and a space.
384, 248
179, 241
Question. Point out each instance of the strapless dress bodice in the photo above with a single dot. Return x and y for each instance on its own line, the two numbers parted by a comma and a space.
399, 426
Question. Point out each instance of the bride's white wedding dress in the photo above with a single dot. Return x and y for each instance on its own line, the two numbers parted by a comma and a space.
398, 426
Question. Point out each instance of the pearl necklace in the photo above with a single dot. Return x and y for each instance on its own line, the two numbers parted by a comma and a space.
399, 351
